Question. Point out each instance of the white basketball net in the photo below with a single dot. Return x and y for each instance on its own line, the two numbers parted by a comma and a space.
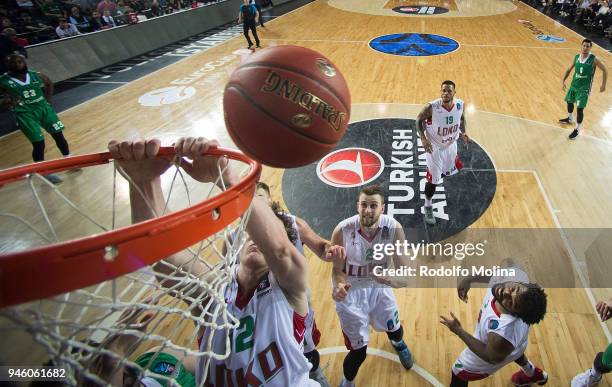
98, 333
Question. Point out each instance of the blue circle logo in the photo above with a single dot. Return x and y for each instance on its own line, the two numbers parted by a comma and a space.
414, 44
551, 38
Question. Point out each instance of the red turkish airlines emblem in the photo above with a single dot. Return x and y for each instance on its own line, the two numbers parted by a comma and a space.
350, 167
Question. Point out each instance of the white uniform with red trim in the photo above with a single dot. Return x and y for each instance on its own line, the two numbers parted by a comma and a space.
266, 349
313, 335
442, 131
367, 301
511, 328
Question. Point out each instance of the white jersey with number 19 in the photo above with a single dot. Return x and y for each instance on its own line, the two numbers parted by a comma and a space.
443, 129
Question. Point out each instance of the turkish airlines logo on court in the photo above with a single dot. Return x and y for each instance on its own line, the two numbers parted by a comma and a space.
167, 95
350, 167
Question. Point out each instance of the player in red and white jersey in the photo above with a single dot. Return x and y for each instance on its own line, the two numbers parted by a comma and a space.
439, 124
510, 306
268, 289
360, 299
302, 234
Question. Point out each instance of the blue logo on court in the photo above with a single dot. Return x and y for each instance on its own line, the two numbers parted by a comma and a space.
551, 38
414, 44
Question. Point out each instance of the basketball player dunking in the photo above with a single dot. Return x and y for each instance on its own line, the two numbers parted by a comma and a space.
302, 235
510, 306
439, 125
360, 299
267, 293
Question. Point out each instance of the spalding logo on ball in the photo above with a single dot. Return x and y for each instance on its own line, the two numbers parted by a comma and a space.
286, 106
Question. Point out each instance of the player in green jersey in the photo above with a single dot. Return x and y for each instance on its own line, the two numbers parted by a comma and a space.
580, 88
27, 94
602, 364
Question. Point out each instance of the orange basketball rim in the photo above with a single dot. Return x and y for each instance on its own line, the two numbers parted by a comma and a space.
61, 267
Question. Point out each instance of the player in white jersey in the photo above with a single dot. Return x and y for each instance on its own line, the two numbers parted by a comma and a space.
360, 299
268, 290
439, 124
510, 306
302, 234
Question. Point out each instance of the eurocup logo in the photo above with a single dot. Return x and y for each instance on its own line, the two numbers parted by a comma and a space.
167, 96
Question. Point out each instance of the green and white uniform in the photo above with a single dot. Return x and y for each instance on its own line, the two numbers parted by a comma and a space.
580, 88
32, 110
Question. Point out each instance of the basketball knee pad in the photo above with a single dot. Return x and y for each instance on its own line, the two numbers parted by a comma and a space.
580, 115
314, 358
429, 189
396, 335
353, 361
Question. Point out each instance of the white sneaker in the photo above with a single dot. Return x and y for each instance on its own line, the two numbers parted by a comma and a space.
585, 379
346, 383
319, 377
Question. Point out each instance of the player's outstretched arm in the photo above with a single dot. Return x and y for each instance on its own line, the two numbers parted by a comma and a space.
494, 351
422, 117
285, 261
604, 71
138, 160
321, 247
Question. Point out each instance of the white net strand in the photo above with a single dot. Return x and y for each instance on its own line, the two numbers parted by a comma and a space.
98, 332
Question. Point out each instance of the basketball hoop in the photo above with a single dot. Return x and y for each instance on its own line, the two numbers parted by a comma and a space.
78, 298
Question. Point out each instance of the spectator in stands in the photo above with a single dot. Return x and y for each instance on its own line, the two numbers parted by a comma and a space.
80, 21
156, 9
38, 31
65, 29
108, 20
12, 34
51, 10
5, 23
107, 5
602, 15
568, 9
96, 21
122, 8
591, 11
133, 5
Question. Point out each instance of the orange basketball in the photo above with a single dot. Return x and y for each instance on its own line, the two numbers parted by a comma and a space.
286, 106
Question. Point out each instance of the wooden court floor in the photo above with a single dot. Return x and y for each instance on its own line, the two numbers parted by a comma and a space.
511, 83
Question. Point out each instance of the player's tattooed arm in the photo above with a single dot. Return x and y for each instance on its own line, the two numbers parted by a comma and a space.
494, 351
48, 87
321, 247
288, 265
422, 117
604, 72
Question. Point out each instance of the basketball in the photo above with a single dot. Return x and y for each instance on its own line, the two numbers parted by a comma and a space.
286, 106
